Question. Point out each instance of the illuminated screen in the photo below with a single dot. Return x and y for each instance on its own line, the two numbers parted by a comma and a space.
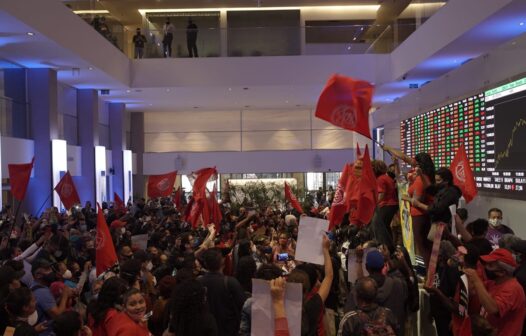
492, 125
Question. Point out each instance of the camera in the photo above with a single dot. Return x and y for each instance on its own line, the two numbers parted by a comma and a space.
283, 257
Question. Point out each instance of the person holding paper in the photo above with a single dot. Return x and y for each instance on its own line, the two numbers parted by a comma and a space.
277, 291
312, 307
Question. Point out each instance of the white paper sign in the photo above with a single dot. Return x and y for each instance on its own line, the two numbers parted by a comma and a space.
453, 210
351, 265
262, 323
139, 242
310, 236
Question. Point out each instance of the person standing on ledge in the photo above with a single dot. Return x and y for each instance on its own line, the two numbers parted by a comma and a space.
191, 38
168, 30
139, 40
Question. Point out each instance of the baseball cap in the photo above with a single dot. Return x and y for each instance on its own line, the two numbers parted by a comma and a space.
8, 274
374, 260
501, 255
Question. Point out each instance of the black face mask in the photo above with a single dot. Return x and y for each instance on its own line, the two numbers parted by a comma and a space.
491, 275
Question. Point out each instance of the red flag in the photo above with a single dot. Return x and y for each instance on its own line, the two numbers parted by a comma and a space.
215, 210
161, 185
345, 102
196, 209
119, 203
177, 198
367, 191
201, 177
67, 192
338, 208
463, 175
289, 196
19, 175
105, 256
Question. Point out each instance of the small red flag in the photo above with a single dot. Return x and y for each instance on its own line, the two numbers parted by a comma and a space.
345, 102
177, 198
201, 177
161, 185
338, 208
118, 202
289, 196
19, 175
463, 175
105, 256
215, 210
67, 192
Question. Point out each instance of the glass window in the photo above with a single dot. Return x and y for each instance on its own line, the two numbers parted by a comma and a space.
332, 179
314, 181
209, 185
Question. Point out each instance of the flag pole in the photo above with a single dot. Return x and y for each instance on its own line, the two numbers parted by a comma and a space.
16, 216
44, 203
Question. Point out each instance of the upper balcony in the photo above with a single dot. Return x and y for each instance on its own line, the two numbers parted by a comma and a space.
258, 31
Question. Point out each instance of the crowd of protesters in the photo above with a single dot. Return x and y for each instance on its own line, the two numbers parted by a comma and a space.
198, 280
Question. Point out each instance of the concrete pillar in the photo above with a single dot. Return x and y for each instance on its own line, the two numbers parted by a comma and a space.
88, 120
137, 147
118, 144
42, 98
15, 89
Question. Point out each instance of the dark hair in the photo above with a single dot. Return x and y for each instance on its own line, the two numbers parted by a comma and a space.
68, 323
111, 293
446, 175
379, 167
366, 289
472, 257
425, 163
494, 210
213, 259
244, 248
479, 227
130, 293
310, 269
130, 270
246, 269
268, 272
17, 299
188, 307
299, 276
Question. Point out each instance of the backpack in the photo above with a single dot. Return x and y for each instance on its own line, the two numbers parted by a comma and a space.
376, 326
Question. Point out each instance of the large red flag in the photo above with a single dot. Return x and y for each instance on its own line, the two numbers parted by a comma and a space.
177, 198
161, 185
215, 210
345, 102
105, 256
67, 192
463, 175
289, 196
201, 177
338, 208
367, 191
118, 203
19, 175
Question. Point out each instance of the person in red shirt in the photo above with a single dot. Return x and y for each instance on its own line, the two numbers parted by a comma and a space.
387, 205
501, 297
132, 320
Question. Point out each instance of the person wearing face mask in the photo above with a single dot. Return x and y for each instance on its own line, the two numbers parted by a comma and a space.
502, 297
21, 310
132, 321
496, 228
9, 281
47, 307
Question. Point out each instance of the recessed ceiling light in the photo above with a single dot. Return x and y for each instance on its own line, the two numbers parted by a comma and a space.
229, 89
150, 104
167, 90
30, 34
361, 28
286, 101
90, 68
513, 43
128, 91
521, 24
354, 39
349, 48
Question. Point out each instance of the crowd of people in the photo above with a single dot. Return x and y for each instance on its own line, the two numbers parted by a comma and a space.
198, 280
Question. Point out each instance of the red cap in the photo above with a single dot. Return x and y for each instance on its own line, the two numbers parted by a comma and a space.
116, 224
501, 255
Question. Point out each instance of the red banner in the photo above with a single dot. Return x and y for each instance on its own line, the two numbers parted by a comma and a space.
338, 208
345, 102
67, 192
289, 196
161, 185
19, 175
215, 210
177, 198
463, 175
105, 256
118, 203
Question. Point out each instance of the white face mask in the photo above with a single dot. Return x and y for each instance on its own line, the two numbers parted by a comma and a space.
33, 318
149, 266
123, 230
67, 275
495, 222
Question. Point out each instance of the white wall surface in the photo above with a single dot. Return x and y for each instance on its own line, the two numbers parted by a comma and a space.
249, 162
15, 150
75, 160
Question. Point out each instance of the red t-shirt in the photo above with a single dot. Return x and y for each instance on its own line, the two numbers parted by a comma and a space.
511, 301
386, 185
122, 325
417, 188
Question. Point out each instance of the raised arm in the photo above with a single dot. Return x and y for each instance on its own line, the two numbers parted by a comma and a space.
325, 286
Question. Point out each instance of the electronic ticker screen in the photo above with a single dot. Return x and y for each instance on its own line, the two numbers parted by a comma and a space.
492, 125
